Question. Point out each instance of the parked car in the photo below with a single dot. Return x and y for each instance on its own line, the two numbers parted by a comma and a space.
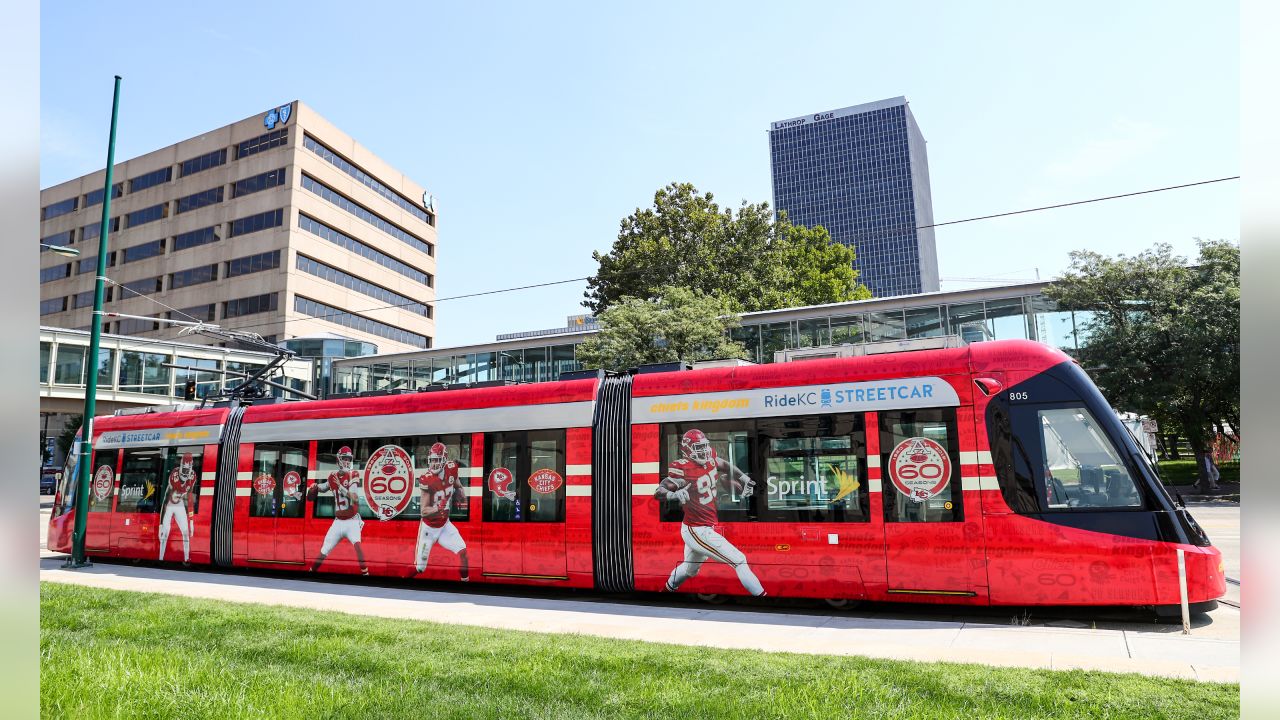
49, 477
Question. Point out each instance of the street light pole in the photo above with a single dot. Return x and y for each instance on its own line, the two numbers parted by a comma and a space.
78, 558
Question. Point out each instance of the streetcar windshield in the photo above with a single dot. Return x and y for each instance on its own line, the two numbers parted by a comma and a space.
1083, 469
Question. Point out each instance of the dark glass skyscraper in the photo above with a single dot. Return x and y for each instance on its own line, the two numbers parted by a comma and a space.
863, 174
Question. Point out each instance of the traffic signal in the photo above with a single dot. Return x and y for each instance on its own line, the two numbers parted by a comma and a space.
189, 390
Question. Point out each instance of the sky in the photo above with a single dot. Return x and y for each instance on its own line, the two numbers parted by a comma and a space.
538, 127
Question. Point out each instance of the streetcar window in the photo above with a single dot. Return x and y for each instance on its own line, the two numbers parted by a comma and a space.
453, 465
814, 469
70, 479
920, 466
730, 441
524, 473
142, 481
173, 462
279, 484
1082, 468
101, 495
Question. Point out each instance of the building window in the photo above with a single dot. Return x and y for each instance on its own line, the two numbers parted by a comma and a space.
194, 276
254, 184
199, 312
143, 251
53, 305
48, 212
351, 282
367, 180
151, 179
85, 299
146, 215
195, 237
90, 264
249, 305
55, 272
132, 326
145, 286
93, 197
341, 201
62, 238
254, 223
212, 196
202, 163
253, 263
262, 143
93, 230
143, 372
319, 310
349, 243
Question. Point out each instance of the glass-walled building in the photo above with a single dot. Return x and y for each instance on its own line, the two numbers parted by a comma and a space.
1009, 311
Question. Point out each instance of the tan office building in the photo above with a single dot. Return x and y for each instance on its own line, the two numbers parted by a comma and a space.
279, 224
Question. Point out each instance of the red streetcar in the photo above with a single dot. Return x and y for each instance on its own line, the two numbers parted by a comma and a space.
992, 474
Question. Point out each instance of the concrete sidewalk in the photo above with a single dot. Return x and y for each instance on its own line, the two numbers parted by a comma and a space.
1211, 654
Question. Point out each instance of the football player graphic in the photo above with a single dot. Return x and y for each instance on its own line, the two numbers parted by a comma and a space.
693, 480
440, 491
345, 485
179, 506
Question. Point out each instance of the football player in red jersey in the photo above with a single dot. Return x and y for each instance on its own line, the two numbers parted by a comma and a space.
178, 506
345, 484
693, 480
440, 491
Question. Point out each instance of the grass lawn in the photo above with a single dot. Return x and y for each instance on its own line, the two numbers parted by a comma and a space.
111, 654
1183, 472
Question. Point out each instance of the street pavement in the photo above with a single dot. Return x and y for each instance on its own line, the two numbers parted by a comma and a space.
1060, 639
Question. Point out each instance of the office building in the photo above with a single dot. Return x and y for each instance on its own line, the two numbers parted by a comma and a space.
278, 224
862, 173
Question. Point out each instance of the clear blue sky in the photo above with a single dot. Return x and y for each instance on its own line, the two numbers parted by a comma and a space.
539, 126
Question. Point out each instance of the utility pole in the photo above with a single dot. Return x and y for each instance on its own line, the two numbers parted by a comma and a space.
78, 558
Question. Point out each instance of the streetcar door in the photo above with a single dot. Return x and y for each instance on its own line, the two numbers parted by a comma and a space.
136, 526
277, 503
102, 494
524, 505
929, 548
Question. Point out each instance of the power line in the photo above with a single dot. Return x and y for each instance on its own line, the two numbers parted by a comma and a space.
580, 279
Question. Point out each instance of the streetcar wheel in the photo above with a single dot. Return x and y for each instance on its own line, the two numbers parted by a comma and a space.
842, 603
712, 598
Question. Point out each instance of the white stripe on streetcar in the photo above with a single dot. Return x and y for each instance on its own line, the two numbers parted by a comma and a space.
577, 469
970, 483
873, 461
471, 472
244, 492
474, 490
873, 485
644, 488
644, 467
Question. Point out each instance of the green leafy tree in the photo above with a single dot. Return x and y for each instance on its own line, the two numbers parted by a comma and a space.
1165, 335
68, 434
679, 324
749, 259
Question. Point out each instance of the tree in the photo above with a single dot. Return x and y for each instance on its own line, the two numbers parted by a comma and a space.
1165, 335
749, 259
679, 324
68, 434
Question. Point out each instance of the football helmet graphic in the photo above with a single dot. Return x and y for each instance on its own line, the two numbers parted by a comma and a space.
695, 446
437, 457
344, 458
186, 468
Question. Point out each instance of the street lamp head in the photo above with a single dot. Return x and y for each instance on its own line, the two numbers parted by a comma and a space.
61, 250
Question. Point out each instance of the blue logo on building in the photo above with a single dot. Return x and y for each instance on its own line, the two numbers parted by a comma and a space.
826, 397
277, 115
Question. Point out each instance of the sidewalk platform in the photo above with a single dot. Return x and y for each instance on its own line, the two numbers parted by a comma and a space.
1208, 654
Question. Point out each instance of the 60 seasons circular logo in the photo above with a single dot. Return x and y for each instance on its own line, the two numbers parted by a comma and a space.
920, 468
102, 481
388, 481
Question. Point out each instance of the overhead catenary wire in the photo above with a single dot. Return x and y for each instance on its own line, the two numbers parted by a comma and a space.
580, 279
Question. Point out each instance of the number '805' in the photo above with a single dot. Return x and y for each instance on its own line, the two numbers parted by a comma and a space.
1017, 396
